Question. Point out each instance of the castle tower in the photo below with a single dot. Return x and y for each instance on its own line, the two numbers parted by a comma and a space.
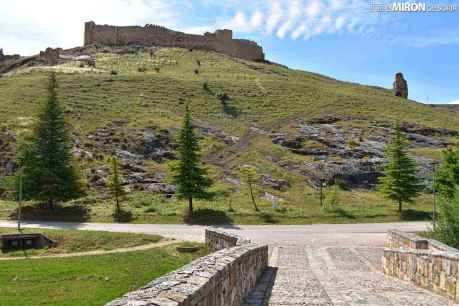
400, 86
88, 32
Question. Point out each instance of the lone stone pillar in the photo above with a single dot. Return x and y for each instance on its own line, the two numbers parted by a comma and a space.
2, 56
400, 86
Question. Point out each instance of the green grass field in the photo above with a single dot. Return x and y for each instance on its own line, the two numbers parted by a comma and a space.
74, 241
87, 280
341, 207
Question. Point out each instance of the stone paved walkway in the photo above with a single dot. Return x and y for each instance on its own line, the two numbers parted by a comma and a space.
301, 275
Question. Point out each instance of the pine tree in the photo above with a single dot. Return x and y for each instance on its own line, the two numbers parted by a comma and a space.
190, 178
115, 184
447, 229
46, 159
400, 182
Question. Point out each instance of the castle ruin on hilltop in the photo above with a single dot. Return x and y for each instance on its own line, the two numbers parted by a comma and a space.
152, 35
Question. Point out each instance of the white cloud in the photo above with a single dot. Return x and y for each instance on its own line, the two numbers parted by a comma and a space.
313, 9
256, 20
339, 22
300, 30
238, 22
31, 26
295, 12
241, 23
454, 102
275, 16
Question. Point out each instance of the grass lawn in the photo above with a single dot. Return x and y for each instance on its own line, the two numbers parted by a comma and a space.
73, 241
87, 280
301, 207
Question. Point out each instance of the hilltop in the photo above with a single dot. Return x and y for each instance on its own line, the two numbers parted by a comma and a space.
295, 127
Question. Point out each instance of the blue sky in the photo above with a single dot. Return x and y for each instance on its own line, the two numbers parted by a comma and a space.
339, 38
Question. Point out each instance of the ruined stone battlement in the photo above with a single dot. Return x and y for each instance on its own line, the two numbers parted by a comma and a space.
153, 35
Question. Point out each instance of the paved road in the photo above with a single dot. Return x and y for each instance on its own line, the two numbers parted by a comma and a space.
322, 264
322, 234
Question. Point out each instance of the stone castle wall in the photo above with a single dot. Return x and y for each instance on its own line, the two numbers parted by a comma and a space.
222, 278
425, 262
221, 41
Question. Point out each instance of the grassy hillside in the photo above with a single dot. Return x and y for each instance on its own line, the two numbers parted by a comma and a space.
262, 99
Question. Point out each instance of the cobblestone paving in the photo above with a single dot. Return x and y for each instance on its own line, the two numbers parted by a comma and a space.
334, 276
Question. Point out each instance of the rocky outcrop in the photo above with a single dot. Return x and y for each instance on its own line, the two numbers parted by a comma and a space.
50, 56
400, 86
7, 165
353, 155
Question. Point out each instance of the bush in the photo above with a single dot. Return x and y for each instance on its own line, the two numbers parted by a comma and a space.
156, 69
142, 69
205, 86
113, 72
151, 209
222, 96
196, 71
332, 198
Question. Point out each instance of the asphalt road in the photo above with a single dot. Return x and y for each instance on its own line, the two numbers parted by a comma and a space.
316, 234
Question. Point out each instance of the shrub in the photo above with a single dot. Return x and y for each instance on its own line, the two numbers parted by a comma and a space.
151, 209
222, 96
113, 72
142, 69
196, 71
332, 198
156, 69
205, 86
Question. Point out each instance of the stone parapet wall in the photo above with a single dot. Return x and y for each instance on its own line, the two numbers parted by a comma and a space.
151, 35
222, 278
217, 240
399, 239
425, 262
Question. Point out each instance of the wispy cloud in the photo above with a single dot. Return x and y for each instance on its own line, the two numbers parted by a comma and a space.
275, 16
302, 18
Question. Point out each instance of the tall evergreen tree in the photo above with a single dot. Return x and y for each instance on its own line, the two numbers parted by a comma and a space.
116, 186
190, 177
46, 159
447, 229
400, 181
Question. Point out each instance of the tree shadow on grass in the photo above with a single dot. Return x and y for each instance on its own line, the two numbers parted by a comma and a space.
124, 216
74, 213
208, 217
342, 213
230, 110
415, 215
269, 218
